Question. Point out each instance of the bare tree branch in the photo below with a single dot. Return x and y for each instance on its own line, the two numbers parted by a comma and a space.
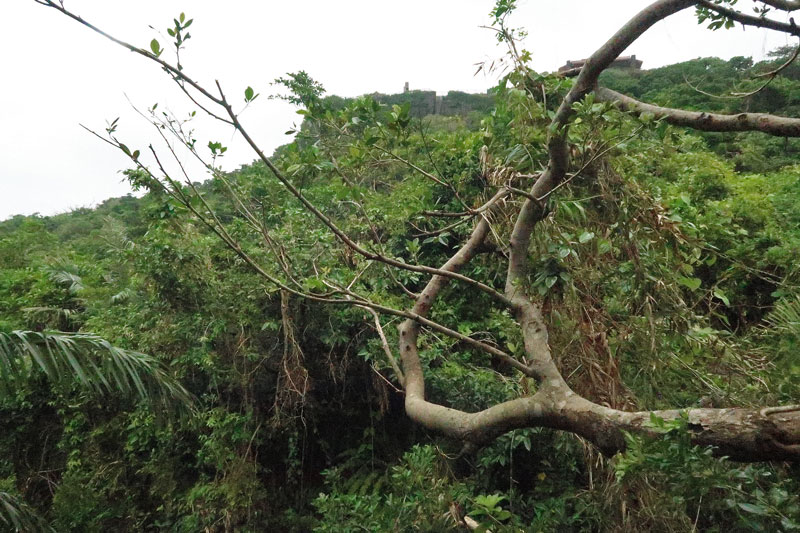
700, 120
385, 345
783, 5
750, 20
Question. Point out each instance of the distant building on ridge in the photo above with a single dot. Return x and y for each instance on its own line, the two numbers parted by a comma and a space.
627, 62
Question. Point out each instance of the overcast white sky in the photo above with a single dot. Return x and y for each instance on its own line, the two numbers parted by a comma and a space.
57, 74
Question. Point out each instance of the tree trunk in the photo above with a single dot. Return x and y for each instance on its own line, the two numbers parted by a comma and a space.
750, 435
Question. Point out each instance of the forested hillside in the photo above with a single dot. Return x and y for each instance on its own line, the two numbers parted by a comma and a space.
666, 265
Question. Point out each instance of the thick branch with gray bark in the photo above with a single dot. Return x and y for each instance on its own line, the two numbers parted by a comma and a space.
783, 5
703, 121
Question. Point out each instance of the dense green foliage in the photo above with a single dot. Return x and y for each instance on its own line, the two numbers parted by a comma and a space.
668, 265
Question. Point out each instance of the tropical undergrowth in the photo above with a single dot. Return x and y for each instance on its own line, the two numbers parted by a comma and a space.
669, 278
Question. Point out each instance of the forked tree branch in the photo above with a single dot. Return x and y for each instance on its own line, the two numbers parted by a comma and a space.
738, 433
528, 313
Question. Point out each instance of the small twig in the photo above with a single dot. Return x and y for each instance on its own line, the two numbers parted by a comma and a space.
385, 344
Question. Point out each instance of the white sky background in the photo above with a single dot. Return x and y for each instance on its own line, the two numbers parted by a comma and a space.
56, 74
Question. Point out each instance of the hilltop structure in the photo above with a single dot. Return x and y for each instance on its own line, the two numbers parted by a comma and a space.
424, 103
626, 62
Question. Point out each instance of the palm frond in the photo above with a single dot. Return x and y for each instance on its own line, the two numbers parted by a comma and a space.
57, 312
93, 361
785, 316
19, 516
122, 296
114, 235
66, 274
